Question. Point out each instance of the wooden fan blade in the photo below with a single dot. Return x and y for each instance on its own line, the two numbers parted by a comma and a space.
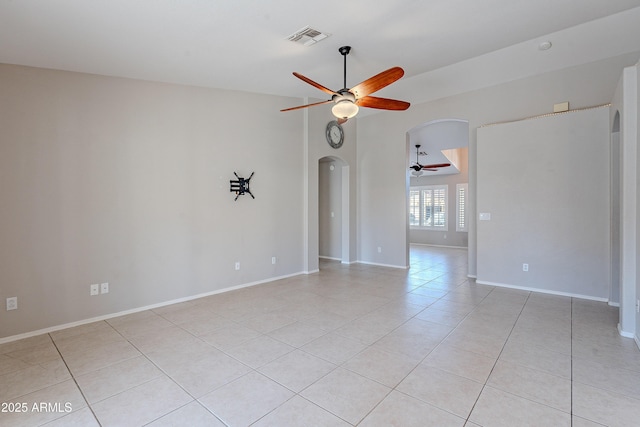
342, 120
436, 165
377, 82
382, 103
314, 84
432, 170
308, 105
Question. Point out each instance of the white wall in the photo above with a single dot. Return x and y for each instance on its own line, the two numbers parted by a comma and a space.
382, 148
545, 183
127, 182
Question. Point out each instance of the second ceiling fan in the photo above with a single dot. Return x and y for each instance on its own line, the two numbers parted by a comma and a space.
433, 167
347, 101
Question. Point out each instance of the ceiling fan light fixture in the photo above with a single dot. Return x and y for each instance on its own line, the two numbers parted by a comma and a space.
345, 109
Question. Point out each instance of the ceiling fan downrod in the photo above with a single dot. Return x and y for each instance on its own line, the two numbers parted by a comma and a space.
344, 51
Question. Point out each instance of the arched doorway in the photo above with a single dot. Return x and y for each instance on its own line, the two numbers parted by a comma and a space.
442, 141
333, 209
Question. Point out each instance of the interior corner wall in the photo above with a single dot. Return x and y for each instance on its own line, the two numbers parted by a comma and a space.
127, 182
545, 184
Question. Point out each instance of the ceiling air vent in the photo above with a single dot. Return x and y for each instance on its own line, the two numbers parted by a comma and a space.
307, 36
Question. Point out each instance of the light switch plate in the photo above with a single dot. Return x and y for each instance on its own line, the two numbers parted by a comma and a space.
485, 216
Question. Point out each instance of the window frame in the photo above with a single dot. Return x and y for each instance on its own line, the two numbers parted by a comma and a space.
464, 215
422, 190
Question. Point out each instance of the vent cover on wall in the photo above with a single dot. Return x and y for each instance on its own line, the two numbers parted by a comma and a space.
307, 36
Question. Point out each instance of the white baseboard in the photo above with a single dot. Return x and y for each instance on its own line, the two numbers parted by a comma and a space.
637, 340
626, 334
438, 246
613, 304
139, 309
329, 258
543, 291
471, 276
404, 267
337, 259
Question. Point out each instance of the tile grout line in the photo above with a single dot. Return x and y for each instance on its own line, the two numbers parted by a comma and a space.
143, 354
498, 358
391, 389
73, 377
571, 364
394, 388
390, 297
167, 375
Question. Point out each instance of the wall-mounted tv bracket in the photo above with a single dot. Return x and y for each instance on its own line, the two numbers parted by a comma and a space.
241, 186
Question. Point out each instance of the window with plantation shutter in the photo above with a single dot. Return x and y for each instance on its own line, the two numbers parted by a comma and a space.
414, 208
461, 207
428, 207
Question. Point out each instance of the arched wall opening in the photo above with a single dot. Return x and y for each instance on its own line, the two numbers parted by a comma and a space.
441, 141
333, 209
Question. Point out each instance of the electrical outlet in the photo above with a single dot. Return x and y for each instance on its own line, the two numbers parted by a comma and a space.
273, 260
12, 303
638, 306
104, 288
94, 289
379, 249
237, 265
525, 267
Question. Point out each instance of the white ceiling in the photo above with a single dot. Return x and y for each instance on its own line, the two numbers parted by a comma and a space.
445, 46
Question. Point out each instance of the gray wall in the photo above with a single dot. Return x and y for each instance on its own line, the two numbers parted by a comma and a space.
545, 183
124, 181
330, 209
127, 182
382, 144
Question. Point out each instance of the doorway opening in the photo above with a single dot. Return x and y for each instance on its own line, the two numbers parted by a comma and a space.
438, 196
333, 209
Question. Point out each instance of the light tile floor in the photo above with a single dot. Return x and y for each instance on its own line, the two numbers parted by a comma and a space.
351, 345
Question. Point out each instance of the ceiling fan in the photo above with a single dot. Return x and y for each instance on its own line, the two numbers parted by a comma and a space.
347, 101
433, 167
